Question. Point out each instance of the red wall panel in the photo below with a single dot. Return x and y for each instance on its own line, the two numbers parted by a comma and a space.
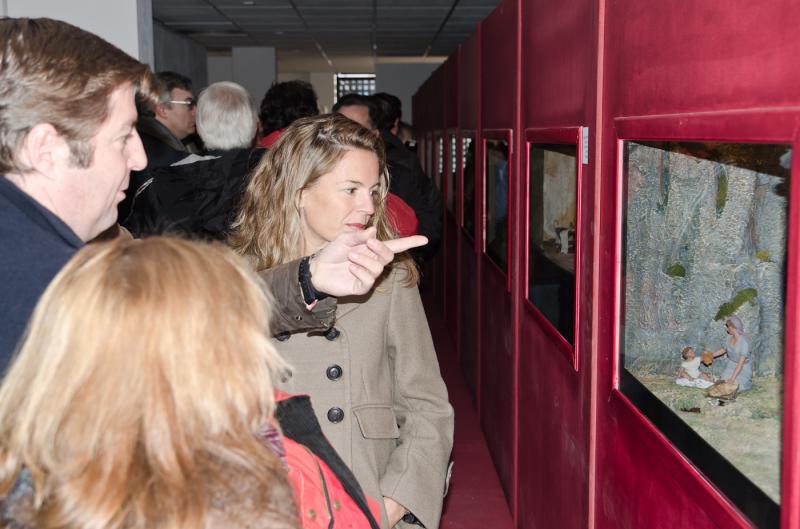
451, 255
558, 90
500, 112
469, 306
695, 70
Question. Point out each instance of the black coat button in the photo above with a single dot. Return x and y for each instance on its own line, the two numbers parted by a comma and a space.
334, 372
335, 415
283, 336
332, 333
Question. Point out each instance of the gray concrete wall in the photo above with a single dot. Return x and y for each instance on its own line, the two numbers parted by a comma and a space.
402, 80
116, 21
254, 69
176, 53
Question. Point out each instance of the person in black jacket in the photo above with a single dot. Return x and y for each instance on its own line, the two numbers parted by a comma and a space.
407, 178
199, 195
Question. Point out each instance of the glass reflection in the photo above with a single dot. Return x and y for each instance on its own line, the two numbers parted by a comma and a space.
453, 174
468, 161
496, 156
703, 308
552, 225
439, 161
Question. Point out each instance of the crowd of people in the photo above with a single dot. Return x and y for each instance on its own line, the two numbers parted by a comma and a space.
209, 319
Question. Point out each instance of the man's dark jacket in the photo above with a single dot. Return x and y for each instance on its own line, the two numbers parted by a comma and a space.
34, 246
198, 200
162, 149
409, 182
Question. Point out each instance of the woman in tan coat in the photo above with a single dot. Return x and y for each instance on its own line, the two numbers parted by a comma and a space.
373, 376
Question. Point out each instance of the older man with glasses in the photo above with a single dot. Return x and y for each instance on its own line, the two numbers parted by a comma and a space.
163, 128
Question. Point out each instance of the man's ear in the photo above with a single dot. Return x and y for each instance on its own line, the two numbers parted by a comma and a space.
161, 110
44, 149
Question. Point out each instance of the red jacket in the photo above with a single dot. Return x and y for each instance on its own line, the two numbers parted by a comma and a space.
269, 140
326, 492
401, 217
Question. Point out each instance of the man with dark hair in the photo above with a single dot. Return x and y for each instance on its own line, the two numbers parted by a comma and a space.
283, 104
68, 142
360, 109
408, 180
390, 112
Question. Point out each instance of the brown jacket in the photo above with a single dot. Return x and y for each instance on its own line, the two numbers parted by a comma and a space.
376, 389
289, 312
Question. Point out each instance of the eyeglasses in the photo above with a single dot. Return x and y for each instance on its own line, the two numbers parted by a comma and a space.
191, 103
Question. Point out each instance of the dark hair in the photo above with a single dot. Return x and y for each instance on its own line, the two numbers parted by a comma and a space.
286, 102
168, 81
53, 72
390, 110
357, 100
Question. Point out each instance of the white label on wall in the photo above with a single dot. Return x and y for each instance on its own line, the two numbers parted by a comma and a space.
585, 145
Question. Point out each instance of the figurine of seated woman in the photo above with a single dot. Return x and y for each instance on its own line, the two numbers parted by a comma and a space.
738, 366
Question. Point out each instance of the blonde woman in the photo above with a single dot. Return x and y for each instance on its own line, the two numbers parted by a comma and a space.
137, 395
373, 376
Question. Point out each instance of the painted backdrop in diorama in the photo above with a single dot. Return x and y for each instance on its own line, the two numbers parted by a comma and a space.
704, 252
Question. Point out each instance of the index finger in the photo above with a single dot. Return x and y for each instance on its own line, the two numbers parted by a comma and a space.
406, 243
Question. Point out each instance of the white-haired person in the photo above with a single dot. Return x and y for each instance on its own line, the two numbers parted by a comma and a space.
199, 195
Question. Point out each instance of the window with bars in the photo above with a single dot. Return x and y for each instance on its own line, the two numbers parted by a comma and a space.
355, 83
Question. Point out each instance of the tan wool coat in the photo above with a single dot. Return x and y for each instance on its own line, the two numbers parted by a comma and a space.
376, 389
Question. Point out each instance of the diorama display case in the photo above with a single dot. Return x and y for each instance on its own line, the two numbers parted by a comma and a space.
554, 160
439, 160
468, 168
452, 170
497, 178
706, 304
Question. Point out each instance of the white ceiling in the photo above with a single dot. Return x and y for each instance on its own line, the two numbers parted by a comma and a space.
333, 33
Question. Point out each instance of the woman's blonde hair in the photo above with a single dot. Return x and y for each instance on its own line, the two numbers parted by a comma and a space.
145, 374
268, 227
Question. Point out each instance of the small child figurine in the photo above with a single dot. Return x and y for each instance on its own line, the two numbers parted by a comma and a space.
689, 373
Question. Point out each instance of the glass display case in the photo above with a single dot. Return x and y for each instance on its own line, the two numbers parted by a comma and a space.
452, 175
429, 155
496, 155
439, 169
552, 225
702, 306
468, 191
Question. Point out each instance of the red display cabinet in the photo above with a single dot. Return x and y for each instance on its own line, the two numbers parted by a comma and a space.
499, 126
558, 79
451, 271
698, 239
468, 210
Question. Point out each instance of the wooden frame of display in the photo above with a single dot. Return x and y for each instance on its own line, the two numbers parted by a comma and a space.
462, 191
760, 126
564, 136
508, 136
451, 177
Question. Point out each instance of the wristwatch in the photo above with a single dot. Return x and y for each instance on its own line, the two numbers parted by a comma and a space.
310, 294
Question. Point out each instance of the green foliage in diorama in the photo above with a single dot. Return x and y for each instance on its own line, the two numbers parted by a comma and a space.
726, 310
722, 191
676, 270
763, 255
